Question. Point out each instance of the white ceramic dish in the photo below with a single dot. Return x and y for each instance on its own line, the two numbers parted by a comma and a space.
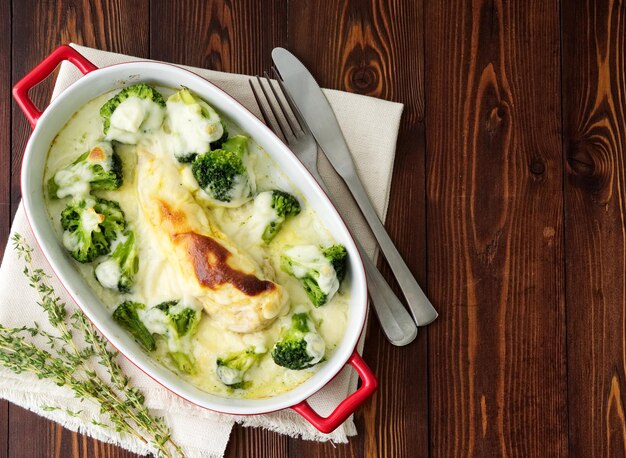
98, 81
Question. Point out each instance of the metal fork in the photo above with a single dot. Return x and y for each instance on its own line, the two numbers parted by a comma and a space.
394, 319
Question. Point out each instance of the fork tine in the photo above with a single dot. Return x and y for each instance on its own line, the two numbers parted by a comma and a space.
273, 109
264, 113
293, 128
301, 122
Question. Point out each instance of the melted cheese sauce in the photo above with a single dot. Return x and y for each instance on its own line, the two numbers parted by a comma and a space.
133, 118
193, 133
159, 279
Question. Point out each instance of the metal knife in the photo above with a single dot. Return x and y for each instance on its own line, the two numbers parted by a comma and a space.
319, 116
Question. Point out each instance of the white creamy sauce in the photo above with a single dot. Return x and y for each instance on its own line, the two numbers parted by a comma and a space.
242, 188
256, 340
315, 347
155, 320
160, 277
262, 216
90, 220
228, 375
192, 132
134, 117
108, 273
70, 240
102, 159
73, 184
75, 180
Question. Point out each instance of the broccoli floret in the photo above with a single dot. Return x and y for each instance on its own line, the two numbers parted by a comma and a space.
138, 115
285, 204
186, 96
300, 346
194, 124
185, 362
183, 319
338, 257
232, 368
237, 144
118, 272
90, 225
127, 315
222, 173
271, 210
185, 158
216, 172
320, 272
114, 222
99, 169
176, 322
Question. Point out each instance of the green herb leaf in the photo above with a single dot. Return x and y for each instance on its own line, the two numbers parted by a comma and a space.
68, 362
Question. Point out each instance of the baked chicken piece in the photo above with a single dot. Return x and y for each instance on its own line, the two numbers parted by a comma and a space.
230, 285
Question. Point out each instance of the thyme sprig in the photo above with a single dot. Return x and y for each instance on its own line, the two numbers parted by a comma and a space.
70, 361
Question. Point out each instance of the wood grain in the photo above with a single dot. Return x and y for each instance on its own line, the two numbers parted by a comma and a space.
5, 171
5, 176
230, 36
497, 359
376, 48
4, 433
256, 443
34, 436
5, 124
527, 356
594, 125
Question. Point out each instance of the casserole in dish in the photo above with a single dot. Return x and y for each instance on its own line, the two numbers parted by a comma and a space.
103, 81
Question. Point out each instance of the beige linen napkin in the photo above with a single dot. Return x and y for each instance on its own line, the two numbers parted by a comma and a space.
370, 126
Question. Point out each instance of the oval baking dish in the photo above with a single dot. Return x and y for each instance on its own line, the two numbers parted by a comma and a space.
95, 82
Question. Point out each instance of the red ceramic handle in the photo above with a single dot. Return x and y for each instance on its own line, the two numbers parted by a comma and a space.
348, 405
40, 72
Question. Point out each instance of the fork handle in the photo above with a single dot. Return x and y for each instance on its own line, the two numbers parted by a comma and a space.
394, 320
421, 308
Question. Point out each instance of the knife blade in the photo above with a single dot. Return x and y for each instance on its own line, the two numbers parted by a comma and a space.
322, 122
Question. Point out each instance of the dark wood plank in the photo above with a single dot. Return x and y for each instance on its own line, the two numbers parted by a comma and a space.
234, 37
255, 443
34, 436
4, 424
37, 29
5, 124
5, 171
594, 126
375, 48
497, 359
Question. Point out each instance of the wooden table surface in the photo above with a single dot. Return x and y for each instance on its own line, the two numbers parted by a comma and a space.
508, 203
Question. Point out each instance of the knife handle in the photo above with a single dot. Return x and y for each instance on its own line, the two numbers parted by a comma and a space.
422, 310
